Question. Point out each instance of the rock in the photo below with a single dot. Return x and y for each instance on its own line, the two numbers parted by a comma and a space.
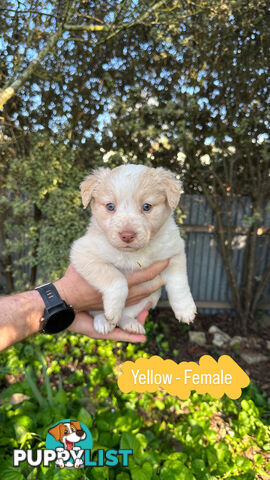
18, 398
268, 344
215, 329
252, 357
254, 343
236, 340
197, 337
220, 338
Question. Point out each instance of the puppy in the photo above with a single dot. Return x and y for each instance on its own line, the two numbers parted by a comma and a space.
131, 227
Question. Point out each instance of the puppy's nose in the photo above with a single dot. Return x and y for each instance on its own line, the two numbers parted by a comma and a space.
80, 433
127, 236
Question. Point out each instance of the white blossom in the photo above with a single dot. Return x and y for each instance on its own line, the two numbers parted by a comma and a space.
181, 158
261, 138
205, 159
153, 101
107, 156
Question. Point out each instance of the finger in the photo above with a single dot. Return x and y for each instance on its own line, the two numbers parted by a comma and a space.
145, 289
120, 335
84, 324
146, 274
144, 314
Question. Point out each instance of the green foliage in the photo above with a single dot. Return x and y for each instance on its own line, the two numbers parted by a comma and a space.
218, 439
41, 212
184, 86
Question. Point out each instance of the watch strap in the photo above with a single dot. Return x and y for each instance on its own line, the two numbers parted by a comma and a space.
50, 296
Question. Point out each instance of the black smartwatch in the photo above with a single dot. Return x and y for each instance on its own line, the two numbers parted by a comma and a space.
57, 314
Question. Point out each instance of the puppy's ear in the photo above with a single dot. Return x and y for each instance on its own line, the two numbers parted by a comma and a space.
172, 186
76, 424
56, 431
90, 183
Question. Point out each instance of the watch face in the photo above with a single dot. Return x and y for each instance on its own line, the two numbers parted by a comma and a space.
59, 321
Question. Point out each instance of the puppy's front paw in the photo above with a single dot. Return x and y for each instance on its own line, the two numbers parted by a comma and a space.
186, 312
114, 299
131, 325
101, 325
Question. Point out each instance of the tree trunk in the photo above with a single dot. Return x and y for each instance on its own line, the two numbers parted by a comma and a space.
7, 263
33, 271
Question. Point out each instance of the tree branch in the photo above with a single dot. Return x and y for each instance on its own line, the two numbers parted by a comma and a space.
7, 262
37, 219
260, 289
86, 28
136, 21
9, 90
224, 247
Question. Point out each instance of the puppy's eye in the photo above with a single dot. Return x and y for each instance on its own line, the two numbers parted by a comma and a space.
66, 432
146, 207
110, 207
72, 429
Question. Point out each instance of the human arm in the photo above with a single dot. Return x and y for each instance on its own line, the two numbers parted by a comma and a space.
20, 314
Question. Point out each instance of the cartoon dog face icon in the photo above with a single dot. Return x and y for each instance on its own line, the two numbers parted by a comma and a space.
68, 433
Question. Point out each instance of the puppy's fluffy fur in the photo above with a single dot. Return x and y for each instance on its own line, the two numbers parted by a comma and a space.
102, 257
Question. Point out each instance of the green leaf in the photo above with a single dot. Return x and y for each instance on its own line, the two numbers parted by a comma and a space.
160, 404
101, 473
20, 432
211, 456
243, 463
60, 398
198, 467
129, 441
122, 476
175, 471
24, 421
11, 473
177, 456
22, 426
108, 439
85, 417
103, 425
141, 472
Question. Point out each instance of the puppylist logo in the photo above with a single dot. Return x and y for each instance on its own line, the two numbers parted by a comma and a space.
69, 444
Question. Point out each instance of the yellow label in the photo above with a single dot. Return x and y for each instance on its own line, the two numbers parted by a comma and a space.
209, 376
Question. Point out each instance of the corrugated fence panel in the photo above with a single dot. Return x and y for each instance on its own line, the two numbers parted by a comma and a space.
206, 272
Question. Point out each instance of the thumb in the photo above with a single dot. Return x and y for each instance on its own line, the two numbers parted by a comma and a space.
143, 314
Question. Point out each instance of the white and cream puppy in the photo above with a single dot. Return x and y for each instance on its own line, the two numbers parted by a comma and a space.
131, 227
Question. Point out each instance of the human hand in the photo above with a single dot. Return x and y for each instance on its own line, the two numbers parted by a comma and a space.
84, 324
76, 291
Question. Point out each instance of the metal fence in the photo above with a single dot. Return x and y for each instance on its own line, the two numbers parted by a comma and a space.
206, 272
